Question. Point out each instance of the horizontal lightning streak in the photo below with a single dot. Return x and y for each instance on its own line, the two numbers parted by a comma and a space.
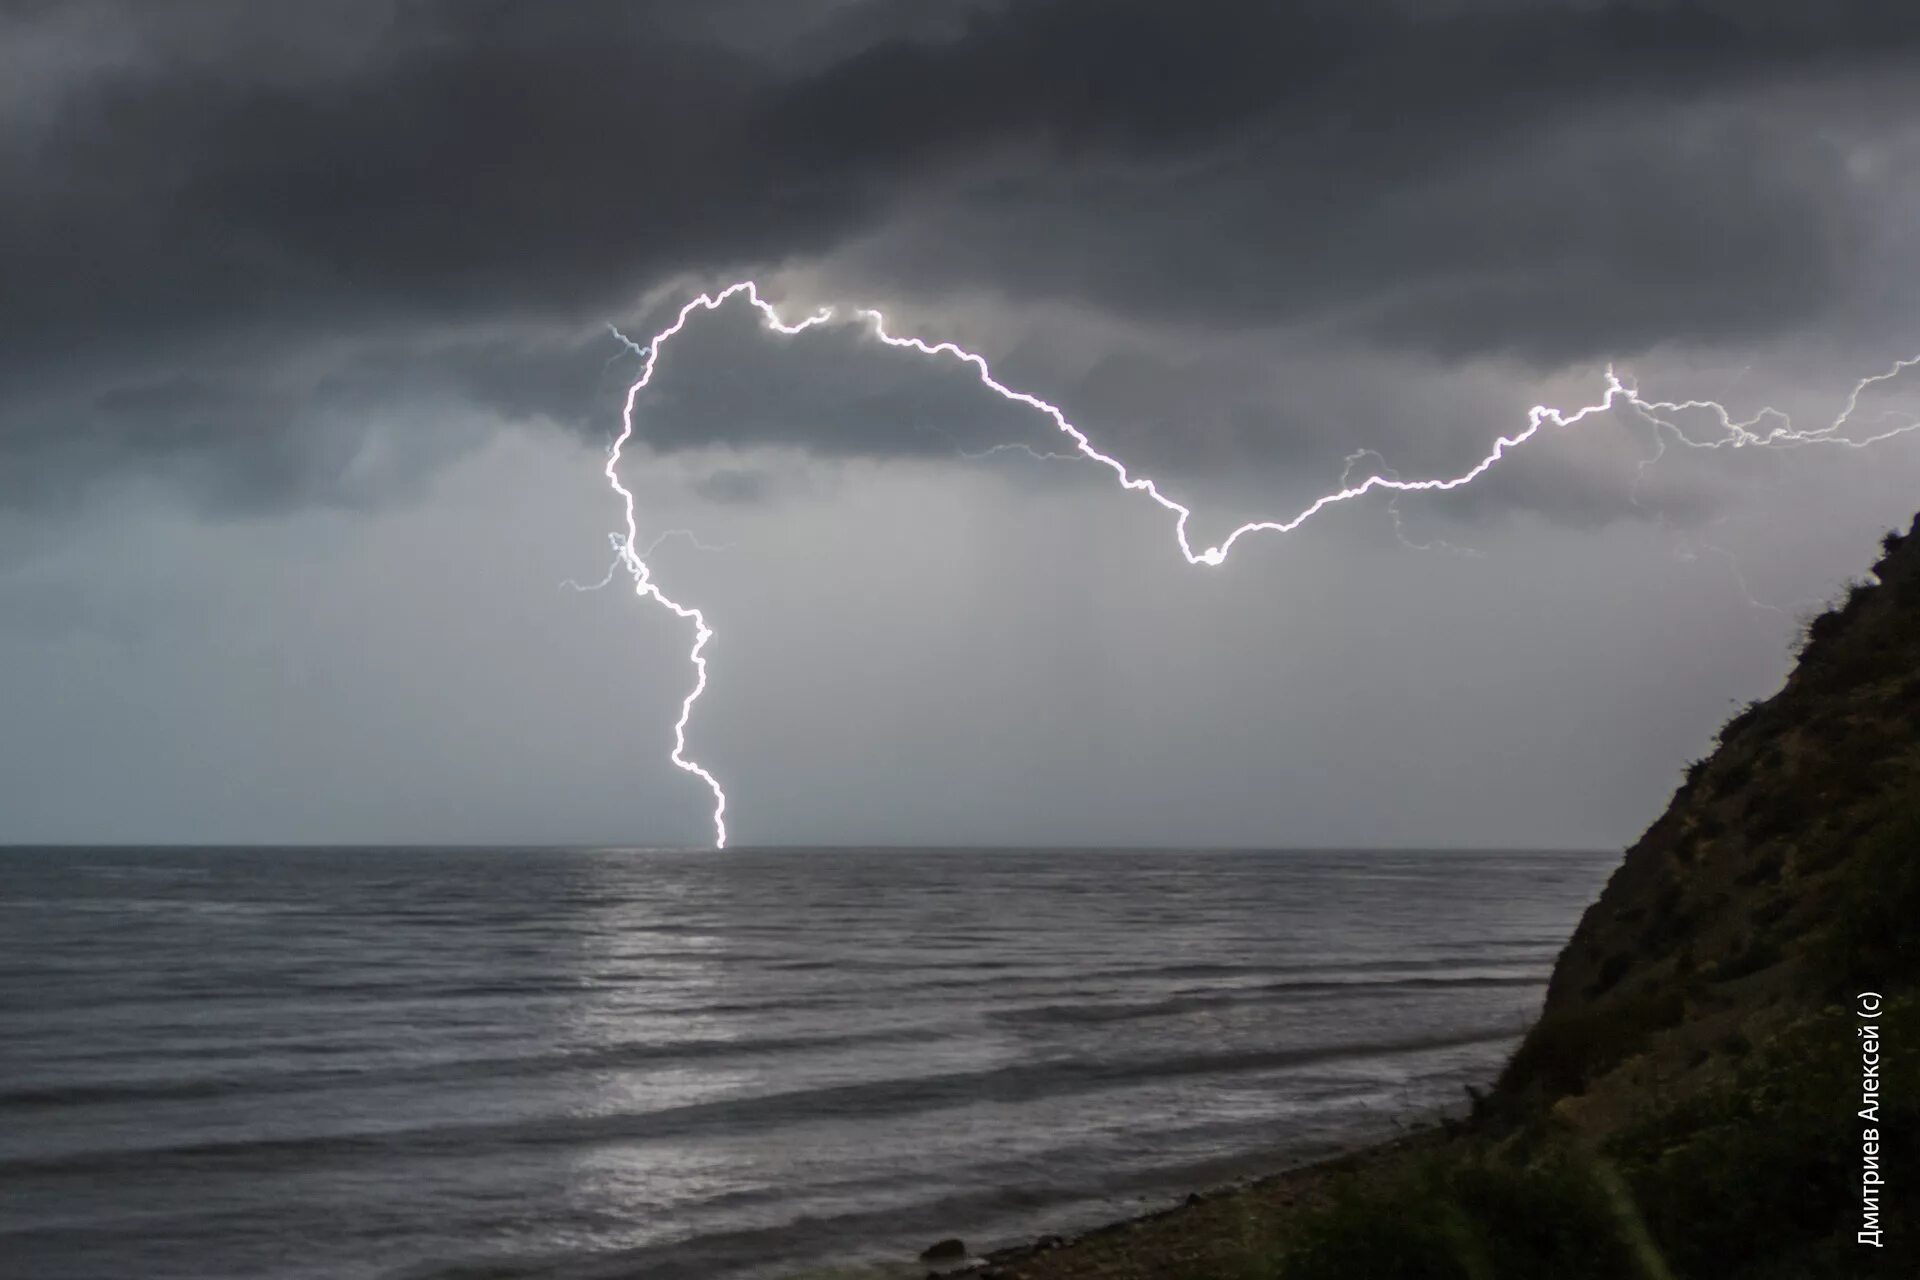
1780, 434
981, 455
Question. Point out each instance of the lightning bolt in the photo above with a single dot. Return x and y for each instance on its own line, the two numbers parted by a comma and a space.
636, 565
613, 570
1779, 433
1393, 511
1011, 446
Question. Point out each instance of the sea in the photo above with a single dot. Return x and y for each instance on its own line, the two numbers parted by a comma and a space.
423, 1064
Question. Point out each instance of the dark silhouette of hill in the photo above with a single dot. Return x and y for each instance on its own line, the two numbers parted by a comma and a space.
1785, 873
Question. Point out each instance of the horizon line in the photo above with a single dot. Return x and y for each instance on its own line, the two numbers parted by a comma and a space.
602, 846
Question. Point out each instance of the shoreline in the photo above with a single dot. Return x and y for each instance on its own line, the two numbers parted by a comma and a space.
1187, 1232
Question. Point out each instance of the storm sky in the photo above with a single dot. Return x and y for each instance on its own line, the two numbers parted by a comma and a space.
306, 382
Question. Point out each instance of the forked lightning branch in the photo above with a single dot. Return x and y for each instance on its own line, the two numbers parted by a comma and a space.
1768, 428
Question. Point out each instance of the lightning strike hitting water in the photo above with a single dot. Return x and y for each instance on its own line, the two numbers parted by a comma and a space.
1779, 433
636, 565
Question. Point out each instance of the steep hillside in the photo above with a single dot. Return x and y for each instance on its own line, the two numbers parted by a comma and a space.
1782, 874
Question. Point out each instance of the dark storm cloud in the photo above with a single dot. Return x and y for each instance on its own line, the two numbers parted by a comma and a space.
236, 444
460, 190
482, 160
1089, 76
1550, 181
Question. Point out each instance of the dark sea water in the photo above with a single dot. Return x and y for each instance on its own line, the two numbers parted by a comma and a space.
408, 1063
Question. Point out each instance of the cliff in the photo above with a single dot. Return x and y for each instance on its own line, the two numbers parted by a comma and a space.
1782, 876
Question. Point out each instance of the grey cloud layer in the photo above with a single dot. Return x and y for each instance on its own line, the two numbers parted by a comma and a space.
222, 224
301, 261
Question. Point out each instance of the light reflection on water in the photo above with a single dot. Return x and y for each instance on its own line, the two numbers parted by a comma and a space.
549, 1062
